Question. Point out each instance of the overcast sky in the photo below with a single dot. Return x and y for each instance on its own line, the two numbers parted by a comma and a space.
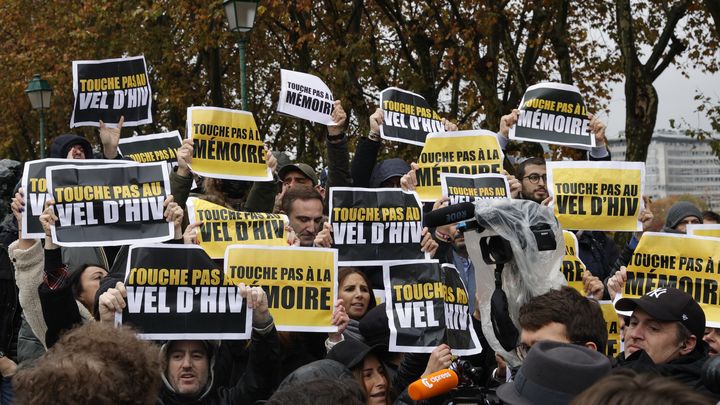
676, 95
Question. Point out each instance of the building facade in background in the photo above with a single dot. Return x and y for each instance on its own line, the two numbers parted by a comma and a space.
677, 164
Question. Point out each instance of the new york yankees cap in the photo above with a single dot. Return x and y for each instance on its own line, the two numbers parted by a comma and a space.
670, 305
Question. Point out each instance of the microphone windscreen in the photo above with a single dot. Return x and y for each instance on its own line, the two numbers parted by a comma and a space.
433, 385
450, 215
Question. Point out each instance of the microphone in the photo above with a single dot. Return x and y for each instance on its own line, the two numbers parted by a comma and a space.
450, 215
433, 385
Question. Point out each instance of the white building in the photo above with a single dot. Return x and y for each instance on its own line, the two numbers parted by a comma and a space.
677, 164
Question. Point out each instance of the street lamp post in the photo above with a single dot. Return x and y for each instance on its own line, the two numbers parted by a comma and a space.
241, 18
39, 92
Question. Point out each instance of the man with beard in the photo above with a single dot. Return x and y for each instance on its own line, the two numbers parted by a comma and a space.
664, 335
533, 178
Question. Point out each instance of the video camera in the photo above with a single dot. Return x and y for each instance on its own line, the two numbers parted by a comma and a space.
516, 247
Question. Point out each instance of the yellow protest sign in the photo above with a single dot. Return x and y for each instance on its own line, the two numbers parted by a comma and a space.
301, 283
462, 152
572, 267
222, 227
599, 196
228, 144
711, 230
613, 327
689, 263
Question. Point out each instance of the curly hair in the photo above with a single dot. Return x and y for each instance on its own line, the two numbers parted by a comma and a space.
94, 363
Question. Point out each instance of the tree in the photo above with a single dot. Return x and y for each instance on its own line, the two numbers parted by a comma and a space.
653, 25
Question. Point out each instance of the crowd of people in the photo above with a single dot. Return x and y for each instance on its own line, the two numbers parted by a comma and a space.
59, 344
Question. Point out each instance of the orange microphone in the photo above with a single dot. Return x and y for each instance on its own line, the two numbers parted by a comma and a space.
433, 385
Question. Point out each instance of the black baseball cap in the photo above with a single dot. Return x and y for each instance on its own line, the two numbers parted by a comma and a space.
351, 352
670, 305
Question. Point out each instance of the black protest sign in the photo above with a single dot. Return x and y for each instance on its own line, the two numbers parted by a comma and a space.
407, 117
427, 305
177, 292
108, 89
553, 113
109, 205
373, 227
461, 188
35, 187
151, 148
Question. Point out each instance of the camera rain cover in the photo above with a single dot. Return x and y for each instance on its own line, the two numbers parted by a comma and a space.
532, 231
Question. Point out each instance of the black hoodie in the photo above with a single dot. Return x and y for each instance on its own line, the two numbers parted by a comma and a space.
62, 144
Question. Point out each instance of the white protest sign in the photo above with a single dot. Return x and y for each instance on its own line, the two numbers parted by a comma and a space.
305, 96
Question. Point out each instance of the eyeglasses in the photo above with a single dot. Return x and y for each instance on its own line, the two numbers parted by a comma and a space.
521, 350
535, 178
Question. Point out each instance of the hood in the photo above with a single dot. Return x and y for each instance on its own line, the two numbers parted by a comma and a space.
62, 144
212, 349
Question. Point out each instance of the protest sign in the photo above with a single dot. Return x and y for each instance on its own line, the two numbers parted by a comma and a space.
470, 188
109, 89
459, 152
572, 267
228, 144
375, 226
35, 186
407, 117
305, 96
177, 292
711, 230
152, 148
222, 227
106, 205
598, 196
689, 263
614, 344
553, 113
427, 305
301, 283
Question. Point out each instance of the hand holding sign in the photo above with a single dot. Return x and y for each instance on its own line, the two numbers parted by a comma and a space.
408, 182
616, 283
48, 217
173, 213
18, 206
592, 285
507, 122
428, 245
257, 301
514, 183
112, 301
190, 237
376, 119
184, 157
597, 128
340, 319
339, 117
324, 237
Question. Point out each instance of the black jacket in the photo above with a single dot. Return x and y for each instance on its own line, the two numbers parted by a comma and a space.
686, 369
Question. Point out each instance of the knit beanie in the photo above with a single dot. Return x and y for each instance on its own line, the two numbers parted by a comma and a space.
680, 210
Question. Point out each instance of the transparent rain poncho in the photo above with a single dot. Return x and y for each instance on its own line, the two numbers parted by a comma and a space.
529, 272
